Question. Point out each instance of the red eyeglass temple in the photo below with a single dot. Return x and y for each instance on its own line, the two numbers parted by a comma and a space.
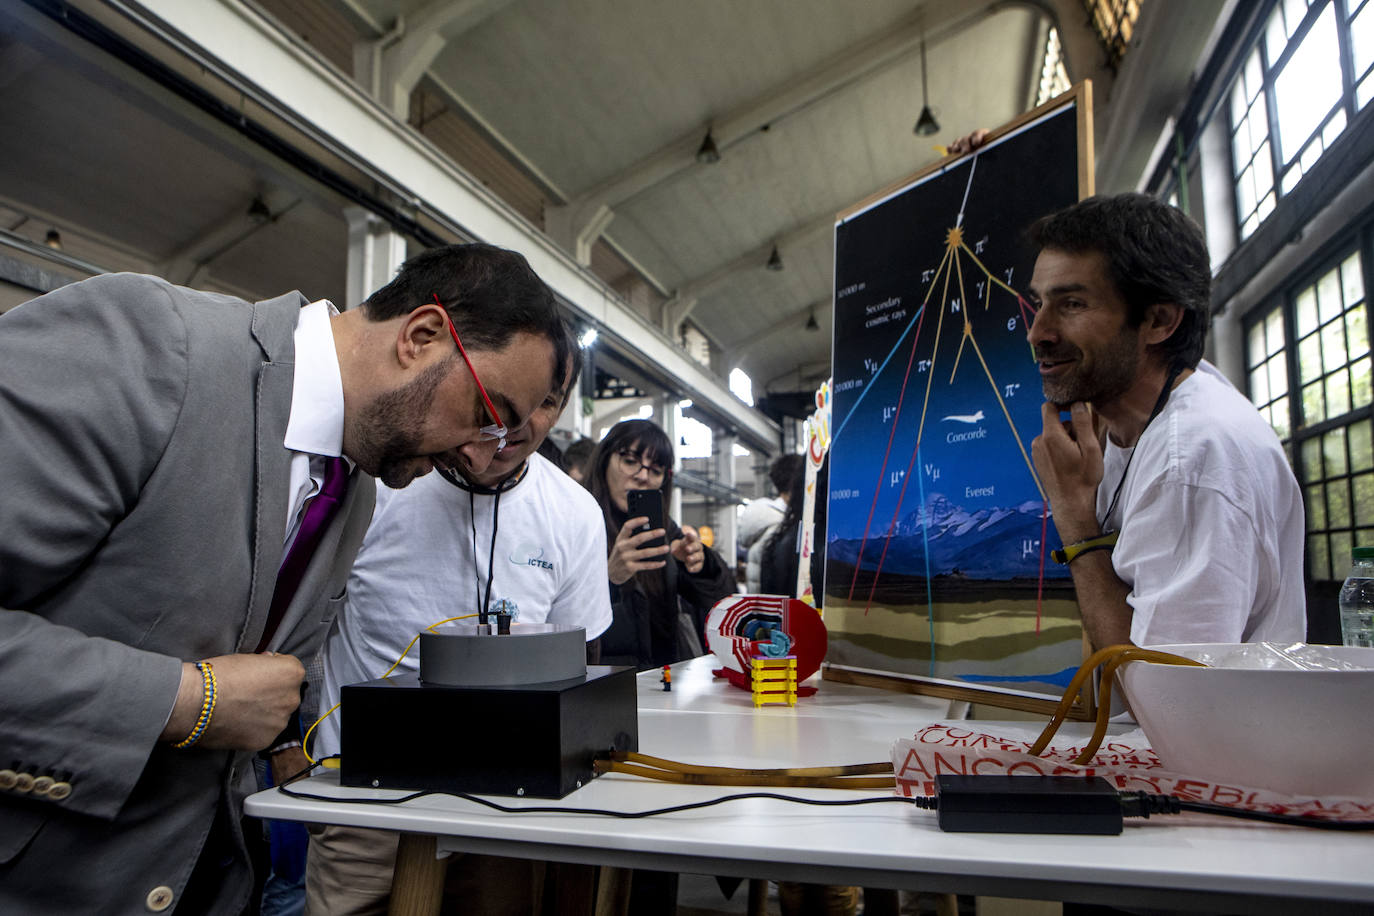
491, 408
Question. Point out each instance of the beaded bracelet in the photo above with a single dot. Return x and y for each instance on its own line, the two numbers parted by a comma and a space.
207, 706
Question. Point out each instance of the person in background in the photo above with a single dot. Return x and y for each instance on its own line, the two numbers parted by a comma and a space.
552, 454
780, 562
575, 458
758, 518
780, 550
818, 536
186, 476
659, 595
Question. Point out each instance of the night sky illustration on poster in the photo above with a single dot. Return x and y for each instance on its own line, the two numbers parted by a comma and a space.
937, 559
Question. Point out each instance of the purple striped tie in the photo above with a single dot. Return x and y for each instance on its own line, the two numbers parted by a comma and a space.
318, 512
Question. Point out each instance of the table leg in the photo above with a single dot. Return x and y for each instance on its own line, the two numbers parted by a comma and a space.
758, 897
881, 901
417, 888
613, 891
571, 890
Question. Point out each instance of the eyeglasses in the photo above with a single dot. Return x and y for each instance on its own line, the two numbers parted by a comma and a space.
496, 431
630, 465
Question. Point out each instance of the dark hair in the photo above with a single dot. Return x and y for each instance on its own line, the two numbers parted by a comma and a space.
568, 359
783, 469
490, 293
643, 437
796, 497
1154, 253
577, 453
551, 452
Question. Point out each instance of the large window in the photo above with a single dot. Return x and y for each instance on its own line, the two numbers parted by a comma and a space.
1317, 393
1054, 78
1307, 76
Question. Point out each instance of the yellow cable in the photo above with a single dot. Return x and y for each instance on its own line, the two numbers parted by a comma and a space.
854, 769
1110, 659
332, 763
745, 777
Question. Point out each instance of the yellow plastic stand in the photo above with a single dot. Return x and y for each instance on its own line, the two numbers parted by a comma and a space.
774, 680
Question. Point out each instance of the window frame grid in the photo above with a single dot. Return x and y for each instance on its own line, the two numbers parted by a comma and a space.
1353, 9
1346, 105
1333, 256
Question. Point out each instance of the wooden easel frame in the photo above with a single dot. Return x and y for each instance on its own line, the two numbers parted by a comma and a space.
1080, 96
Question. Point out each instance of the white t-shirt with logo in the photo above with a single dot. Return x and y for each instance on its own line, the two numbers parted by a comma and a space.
1211, 522
417, 566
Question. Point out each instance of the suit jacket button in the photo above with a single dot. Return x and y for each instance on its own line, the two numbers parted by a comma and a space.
159, 898
42, 785
23, 783
60, 790
7, 779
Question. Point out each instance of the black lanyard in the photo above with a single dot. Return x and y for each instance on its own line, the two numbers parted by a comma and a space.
484, 601
1159, 406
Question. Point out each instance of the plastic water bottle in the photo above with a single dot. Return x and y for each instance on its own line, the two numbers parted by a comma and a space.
1357, 600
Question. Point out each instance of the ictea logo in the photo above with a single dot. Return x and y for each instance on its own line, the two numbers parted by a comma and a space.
530, 555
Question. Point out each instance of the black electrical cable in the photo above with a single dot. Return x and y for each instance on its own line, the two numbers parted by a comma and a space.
1144, 804
1133, 804
918, 801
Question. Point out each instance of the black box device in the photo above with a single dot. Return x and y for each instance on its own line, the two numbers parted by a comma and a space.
997, 803
532, 739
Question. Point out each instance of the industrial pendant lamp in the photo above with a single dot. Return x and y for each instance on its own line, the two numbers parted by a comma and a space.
774, 260
707, 152
926, 123
811, 323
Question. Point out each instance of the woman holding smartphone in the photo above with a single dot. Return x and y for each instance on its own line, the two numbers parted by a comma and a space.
663, 580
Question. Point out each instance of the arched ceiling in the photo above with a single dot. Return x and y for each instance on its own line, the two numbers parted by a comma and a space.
586, 116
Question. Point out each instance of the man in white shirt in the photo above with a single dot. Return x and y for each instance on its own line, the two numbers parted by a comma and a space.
162, 444
521, 532
1181, 519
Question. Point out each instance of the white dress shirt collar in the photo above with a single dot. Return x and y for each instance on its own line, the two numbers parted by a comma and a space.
317, 406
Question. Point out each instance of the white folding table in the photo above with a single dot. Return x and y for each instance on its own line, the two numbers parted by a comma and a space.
1216, 864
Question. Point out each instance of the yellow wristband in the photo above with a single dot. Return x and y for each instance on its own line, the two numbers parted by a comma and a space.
1066, 555
207, 705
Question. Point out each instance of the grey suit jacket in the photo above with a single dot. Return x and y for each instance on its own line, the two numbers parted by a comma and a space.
142, 512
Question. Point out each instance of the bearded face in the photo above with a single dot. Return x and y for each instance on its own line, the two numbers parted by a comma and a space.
1085, 346
387, 432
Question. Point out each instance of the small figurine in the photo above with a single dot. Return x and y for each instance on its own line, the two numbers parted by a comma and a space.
667, 678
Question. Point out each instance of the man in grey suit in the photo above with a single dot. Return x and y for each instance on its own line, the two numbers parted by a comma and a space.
160, 448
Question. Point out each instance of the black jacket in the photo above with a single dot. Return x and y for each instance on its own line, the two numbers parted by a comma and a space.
649, 633
778, 568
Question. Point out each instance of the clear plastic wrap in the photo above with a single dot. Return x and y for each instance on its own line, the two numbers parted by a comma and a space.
1269, 655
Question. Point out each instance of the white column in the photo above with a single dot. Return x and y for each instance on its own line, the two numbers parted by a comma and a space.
763, 486
665, 415
375, 253
723, 454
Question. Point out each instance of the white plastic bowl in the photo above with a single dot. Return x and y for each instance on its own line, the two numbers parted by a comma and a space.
1300, 732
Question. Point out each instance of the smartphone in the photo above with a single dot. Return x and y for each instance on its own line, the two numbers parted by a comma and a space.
648, 503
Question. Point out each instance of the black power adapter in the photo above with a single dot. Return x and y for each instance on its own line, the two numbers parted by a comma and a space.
1028, 804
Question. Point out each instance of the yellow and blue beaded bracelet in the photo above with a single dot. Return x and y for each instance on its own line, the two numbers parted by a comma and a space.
207, 706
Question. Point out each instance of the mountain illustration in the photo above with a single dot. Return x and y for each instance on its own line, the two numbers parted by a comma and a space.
989, 543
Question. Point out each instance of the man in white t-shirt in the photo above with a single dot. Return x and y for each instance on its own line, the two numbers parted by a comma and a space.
522, 532
1181, 519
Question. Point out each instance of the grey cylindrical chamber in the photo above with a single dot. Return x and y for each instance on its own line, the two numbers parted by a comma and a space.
463, 655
